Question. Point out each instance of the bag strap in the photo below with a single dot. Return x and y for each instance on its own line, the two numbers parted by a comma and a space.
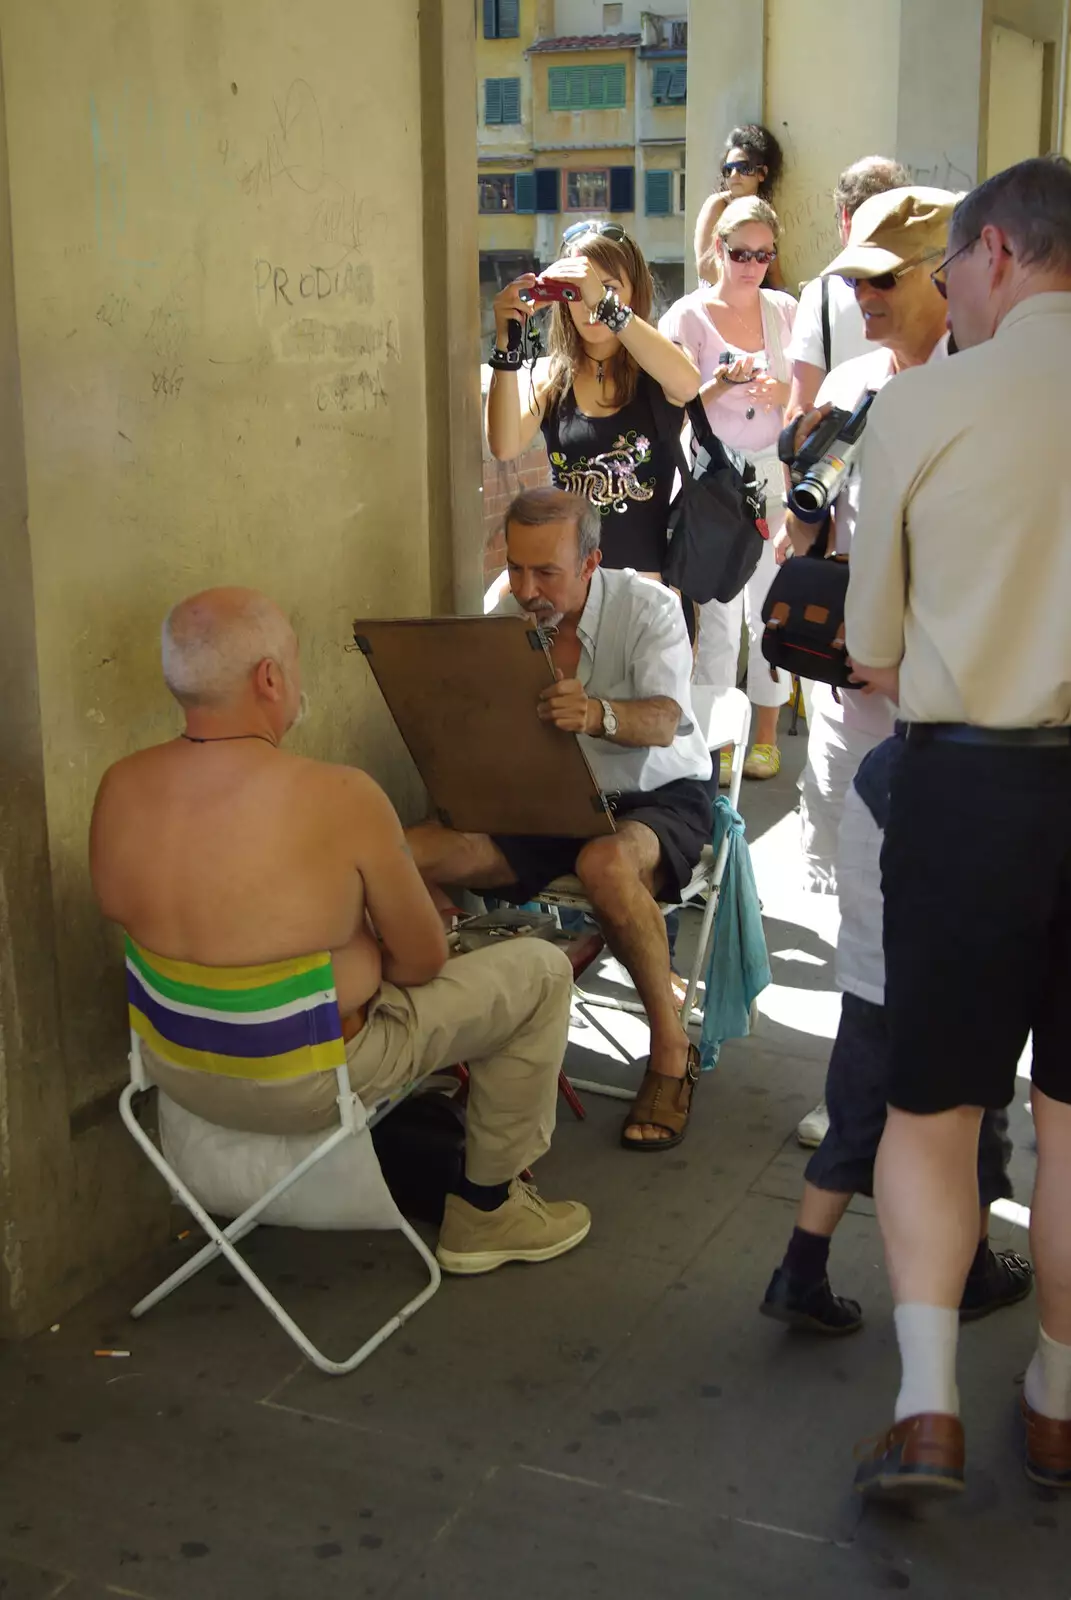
771, 334
827, 332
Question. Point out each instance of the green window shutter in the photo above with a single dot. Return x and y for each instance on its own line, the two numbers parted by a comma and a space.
511, 99
558, 89
615, 85
509, 19
596, 87
579, 89
663, 77
678, 89
490, 19
492, 100
524, 192
658, 193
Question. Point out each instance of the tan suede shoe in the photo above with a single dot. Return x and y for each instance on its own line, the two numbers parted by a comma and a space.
525, 1228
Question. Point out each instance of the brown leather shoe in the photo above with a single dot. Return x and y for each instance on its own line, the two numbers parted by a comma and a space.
1048, 1449
921, 1455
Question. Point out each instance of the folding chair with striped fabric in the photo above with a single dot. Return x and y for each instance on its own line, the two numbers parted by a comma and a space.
273, 1024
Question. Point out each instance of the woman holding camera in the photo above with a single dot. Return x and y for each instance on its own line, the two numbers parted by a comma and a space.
602, 394
751, 166
737, 333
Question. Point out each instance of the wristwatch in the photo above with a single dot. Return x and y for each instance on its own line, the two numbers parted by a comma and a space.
609, 719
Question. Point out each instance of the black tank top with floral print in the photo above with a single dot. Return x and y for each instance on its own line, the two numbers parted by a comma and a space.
624, 468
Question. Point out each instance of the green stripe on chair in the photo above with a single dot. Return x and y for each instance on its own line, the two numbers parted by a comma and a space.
283, 991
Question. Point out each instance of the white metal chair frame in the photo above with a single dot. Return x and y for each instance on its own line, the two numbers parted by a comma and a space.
728, 720
222, 1241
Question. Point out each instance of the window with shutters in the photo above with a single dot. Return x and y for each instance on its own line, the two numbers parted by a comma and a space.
670, 86
678, 35
587, 191
498, 192
586, 88
501, 101
658, 193
501, 19
612, 16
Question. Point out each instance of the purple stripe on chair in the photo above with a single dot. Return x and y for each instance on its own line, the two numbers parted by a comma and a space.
319, 1025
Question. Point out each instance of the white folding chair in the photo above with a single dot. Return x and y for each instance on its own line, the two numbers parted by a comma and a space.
725, 715
216, 1184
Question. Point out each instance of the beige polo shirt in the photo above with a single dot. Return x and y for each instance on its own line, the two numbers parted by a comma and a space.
961, 561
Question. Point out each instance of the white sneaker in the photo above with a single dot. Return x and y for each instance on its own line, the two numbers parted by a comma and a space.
524, 1228
814, 1127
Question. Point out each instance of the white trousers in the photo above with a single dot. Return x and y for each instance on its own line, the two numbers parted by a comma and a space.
834, 752
720, 625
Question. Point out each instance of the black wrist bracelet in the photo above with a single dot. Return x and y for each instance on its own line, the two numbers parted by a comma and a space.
505, 360
612, 313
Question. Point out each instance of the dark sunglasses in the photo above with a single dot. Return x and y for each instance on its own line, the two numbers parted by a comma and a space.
884, 281
741, 257
743, 169
606, 230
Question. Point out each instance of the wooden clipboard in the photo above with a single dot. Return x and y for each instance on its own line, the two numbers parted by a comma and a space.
463, 692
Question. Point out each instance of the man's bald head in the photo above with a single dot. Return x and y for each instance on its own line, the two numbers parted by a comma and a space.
214, 642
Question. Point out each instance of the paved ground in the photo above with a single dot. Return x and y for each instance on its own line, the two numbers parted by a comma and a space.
618, 1424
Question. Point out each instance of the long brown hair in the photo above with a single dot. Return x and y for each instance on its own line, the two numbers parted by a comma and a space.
619, 258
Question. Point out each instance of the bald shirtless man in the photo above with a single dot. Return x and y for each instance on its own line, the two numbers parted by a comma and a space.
220, 848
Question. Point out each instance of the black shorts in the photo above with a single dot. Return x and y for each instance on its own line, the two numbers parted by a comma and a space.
680, 814
976, 876
857, 1090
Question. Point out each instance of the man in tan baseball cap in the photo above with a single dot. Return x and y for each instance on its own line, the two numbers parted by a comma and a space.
893, 231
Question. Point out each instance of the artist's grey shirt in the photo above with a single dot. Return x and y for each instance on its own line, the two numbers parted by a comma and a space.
634, 646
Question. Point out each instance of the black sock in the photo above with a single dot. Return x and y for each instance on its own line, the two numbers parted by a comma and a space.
807, 1257
484, 1196
980, 1264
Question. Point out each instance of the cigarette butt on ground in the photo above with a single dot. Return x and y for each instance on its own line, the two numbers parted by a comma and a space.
112, 1355
185, 1234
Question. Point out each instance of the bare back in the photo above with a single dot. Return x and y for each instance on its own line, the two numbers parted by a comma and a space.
236, 853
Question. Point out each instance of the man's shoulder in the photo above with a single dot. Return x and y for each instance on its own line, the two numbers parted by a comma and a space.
849, 381
645, 599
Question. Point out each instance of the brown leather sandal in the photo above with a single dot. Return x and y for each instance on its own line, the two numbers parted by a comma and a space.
663, 1103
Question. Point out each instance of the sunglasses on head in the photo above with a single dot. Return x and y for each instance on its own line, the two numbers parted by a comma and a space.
884, 281
741, 257
606, 230
742, 169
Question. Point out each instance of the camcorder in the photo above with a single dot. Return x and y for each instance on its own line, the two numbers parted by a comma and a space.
544, 289
818, 470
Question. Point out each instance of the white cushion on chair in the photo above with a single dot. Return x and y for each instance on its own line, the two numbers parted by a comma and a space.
228, 1171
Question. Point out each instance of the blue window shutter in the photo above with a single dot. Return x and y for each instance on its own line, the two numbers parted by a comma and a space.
490, 19
511, 99
557, 89
524, 192
622, 188
492, 100
548, 189
663, 77
658, 193
509, 19
678, 89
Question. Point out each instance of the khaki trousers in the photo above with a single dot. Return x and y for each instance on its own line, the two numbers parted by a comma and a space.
504, 1011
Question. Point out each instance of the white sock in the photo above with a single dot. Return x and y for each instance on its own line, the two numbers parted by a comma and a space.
927, 1336
1048, 1379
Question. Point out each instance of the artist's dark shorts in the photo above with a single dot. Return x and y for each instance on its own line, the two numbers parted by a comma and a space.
976, 877
680, 814
857, 1089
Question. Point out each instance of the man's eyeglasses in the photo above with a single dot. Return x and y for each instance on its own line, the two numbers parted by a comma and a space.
741, 169
884, 281
741, 257
606, 230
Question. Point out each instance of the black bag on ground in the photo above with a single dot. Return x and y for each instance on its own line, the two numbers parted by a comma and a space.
804, 617
421, 1149
717, 521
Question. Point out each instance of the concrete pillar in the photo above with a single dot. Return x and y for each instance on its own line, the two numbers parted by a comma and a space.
725, 75
941, 106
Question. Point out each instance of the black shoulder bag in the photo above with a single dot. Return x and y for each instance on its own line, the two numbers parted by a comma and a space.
717, 520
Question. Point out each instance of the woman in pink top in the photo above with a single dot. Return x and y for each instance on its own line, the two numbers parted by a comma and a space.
737, 333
